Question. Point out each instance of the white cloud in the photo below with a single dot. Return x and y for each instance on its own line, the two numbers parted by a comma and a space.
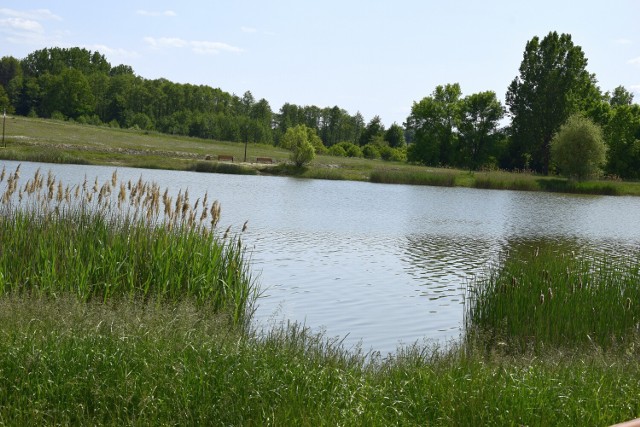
623, 41
205, 47
635, 61
113, 52
635, 88
165, 42
200, 47
21, 24
26, 26
248, 30
167, 13
37, 14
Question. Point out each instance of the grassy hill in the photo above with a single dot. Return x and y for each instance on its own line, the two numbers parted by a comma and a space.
55, 141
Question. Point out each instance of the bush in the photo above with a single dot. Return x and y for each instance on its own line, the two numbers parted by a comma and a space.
299, 140
371, 151
57, 115
578, 149
337, 150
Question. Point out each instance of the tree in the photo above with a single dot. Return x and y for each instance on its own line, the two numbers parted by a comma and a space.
578, 149
395, 136
373, 129
621, 96
434, 122
67, 93
622, 135
480, 115
301, 145
553, 84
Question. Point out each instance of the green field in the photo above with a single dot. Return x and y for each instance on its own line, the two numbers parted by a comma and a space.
64, 142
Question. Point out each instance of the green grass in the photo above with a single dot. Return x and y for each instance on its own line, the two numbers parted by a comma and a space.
548, 296
441, 178
64, 142
216, 167
129, 363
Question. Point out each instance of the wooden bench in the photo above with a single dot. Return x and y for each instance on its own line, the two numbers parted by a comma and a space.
225, 158
267, 160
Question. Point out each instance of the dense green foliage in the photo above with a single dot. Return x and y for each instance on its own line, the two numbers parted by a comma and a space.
443, 129
452, 131
578, 149
299, 140
553, 84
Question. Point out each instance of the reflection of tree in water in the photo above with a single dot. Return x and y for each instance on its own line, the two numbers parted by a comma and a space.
443, 265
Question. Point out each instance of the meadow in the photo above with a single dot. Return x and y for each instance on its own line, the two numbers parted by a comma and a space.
54, 141
121, 304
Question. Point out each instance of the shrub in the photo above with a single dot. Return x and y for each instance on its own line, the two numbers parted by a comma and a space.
371, 151
578, 149
299, 140
337, 150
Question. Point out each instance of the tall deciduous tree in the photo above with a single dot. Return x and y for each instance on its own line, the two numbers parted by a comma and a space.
395, 136
553, 84
622, 134
479, 118
433, 122
374, 128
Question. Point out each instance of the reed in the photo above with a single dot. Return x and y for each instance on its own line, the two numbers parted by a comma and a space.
226, 168
547, 296
103, 240
413, 177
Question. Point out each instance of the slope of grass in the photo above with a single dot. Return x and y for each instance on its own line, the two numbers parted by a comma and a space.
63, 142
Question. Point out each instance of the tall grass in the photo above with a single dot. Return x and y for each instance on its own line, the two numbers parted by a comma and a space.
548, 297
118, 240
413, 177
63, 362
581, 187
50, 156
217, 167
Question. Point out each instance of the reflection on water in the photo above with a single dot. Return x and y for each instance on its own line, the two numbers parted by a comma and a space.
382, 264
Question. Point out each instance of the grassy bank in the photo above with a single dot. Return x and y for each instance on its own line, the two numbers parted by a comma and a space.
63, 142
70, 363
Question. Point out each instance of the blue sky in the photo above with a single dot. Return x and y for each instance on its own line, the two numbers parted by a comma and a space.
376, 57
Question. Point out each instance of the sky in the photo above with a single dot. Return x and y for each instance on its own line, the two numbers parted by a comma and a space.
368, 56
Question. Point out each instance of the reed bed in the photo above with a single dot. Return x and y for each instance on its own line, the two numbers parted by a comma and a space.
413, 177
546, 296
115, 239
217, 167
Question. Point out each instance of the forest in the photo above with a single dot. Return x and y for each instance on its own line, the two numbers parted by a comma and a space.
444, 128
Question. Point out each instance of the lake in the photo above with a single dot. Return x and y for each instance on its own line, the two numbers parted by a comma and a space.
380, 265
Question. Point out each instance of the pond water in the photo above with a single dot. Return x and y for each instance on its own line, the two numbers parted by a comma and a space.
380, 265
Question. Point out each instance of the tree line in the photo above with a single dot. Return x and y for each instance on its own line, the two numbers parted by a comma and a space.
444, 128
81, 85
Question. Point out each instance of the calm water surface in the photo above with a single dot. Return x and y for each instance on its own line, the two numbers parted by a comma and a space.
380, 264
